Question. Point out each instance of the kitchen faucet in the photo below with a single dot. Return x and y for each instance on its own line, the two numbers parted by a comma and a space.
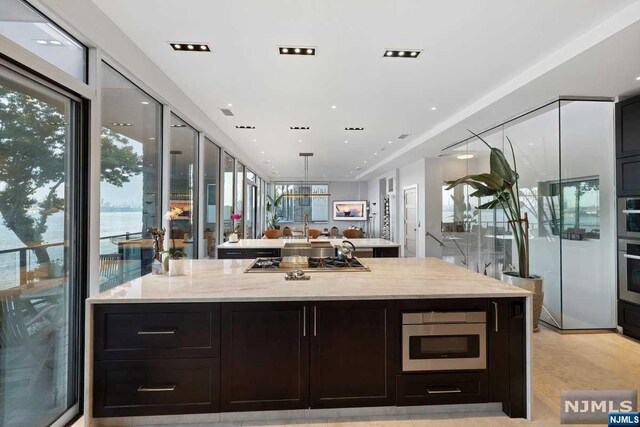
306, 226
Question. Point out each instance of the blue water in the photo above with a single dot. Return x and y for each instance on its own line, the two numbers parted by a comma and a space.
111, 223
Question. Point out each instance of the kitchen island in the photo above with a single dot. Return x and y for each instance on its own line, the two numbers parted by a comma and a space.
219, 340
254, 248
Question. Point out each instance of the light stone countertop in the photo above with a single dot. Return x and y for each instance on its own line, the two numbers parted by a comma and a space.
389, 278
279, 243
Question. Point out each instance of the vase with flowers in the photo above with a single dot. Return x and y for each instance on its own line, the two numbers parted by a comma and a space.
174, 261
233, 236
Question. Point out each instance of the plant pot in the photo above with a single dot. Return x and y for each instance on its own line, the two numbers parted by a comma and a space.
176, 267
532, 284
233, 238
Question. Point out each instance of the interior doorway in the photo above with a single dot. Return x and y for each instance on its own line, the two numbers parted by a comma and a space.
410, 197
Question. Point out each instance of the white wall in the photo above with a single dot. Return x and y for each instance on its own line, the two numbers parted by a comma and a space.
340, 190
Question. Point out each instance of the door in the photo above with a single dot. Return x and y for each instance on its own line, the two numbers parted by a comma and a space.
42, 251
265, 356
352, 354
410, 222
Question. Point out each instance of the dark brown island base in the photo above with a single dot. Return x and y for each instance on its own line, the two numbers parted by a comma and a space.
436, 334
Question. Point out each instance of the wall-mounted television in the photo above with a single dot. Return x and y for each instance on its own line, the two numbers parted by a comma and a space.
350, 210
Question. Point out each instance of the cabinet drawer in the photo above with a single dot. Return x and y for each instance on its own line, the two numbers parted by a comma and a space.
248, 253
442, 389
156, 387
141, 331
629, 319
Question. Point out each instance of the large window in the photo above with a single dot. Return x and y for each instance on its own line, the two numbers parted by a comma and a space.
239, 207
228, 173
294, 207
580, 208
211, 167
41, 262
130, 181
24, 25
182, 186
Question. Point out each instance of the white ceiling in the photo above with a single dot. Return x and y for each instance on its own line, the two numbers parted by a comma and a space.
470, 49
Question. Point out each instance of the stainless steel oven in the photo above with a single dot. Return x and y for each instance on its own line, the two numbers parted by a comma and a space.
443, 341
629, 270
629, 216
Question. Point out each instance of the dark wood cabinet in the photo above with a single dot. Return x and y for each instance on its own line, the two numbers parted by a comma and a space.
393, 252
156, 387
265, 356
233, 253
352, 354
154, 331
629, 319
507, 355
628, 127
628, 176
156, 359
442, 388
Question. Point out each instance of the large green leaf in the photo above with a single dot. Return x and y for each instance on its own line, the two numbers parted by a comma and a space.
498, 162
489, 205
477, 181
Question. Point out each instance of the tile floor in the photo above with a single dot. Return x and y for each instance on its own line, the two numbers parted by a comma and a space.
560, 362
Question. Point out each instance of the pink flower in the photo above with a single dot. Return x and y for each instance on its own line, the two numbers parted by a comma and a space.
236, 217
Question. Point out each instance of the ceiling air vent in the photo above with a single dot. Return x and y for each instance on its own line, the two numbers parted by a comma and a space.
404, 135
299, 127
245, 127
227, 112
353, 128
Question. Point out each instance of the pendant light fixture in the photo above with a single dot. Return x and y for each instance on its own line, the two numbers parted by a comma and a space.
305, 191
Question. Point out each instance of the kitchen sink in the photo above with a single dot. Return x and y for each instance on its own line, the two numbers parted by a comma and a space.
315, 249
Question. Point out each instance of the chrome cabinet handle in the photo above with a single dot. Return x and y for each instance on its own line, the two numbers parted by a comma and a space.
165, 332
315, 322
450, 391
495, 316
143, 389
304, 320
632, 256
631, 211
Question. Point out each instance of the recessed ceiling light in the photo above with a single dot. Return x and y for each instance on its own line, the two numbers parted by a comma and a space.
365, 161
353, 128
300, 51
144, 102
41, 42
254, 140
299, 140
122, 124
152, 139
262, 152
299, 127
229, 105
375, 154
346, 142
405, 53
190, 47
638, 78
55, 42
245, 127
464, 156
334, 107
390, 142
179, 126
434, 108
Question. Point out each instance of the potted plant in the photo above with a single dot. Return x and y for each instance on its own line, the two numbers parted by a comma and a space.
501, 183
233, 236
273, 211
175, 257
